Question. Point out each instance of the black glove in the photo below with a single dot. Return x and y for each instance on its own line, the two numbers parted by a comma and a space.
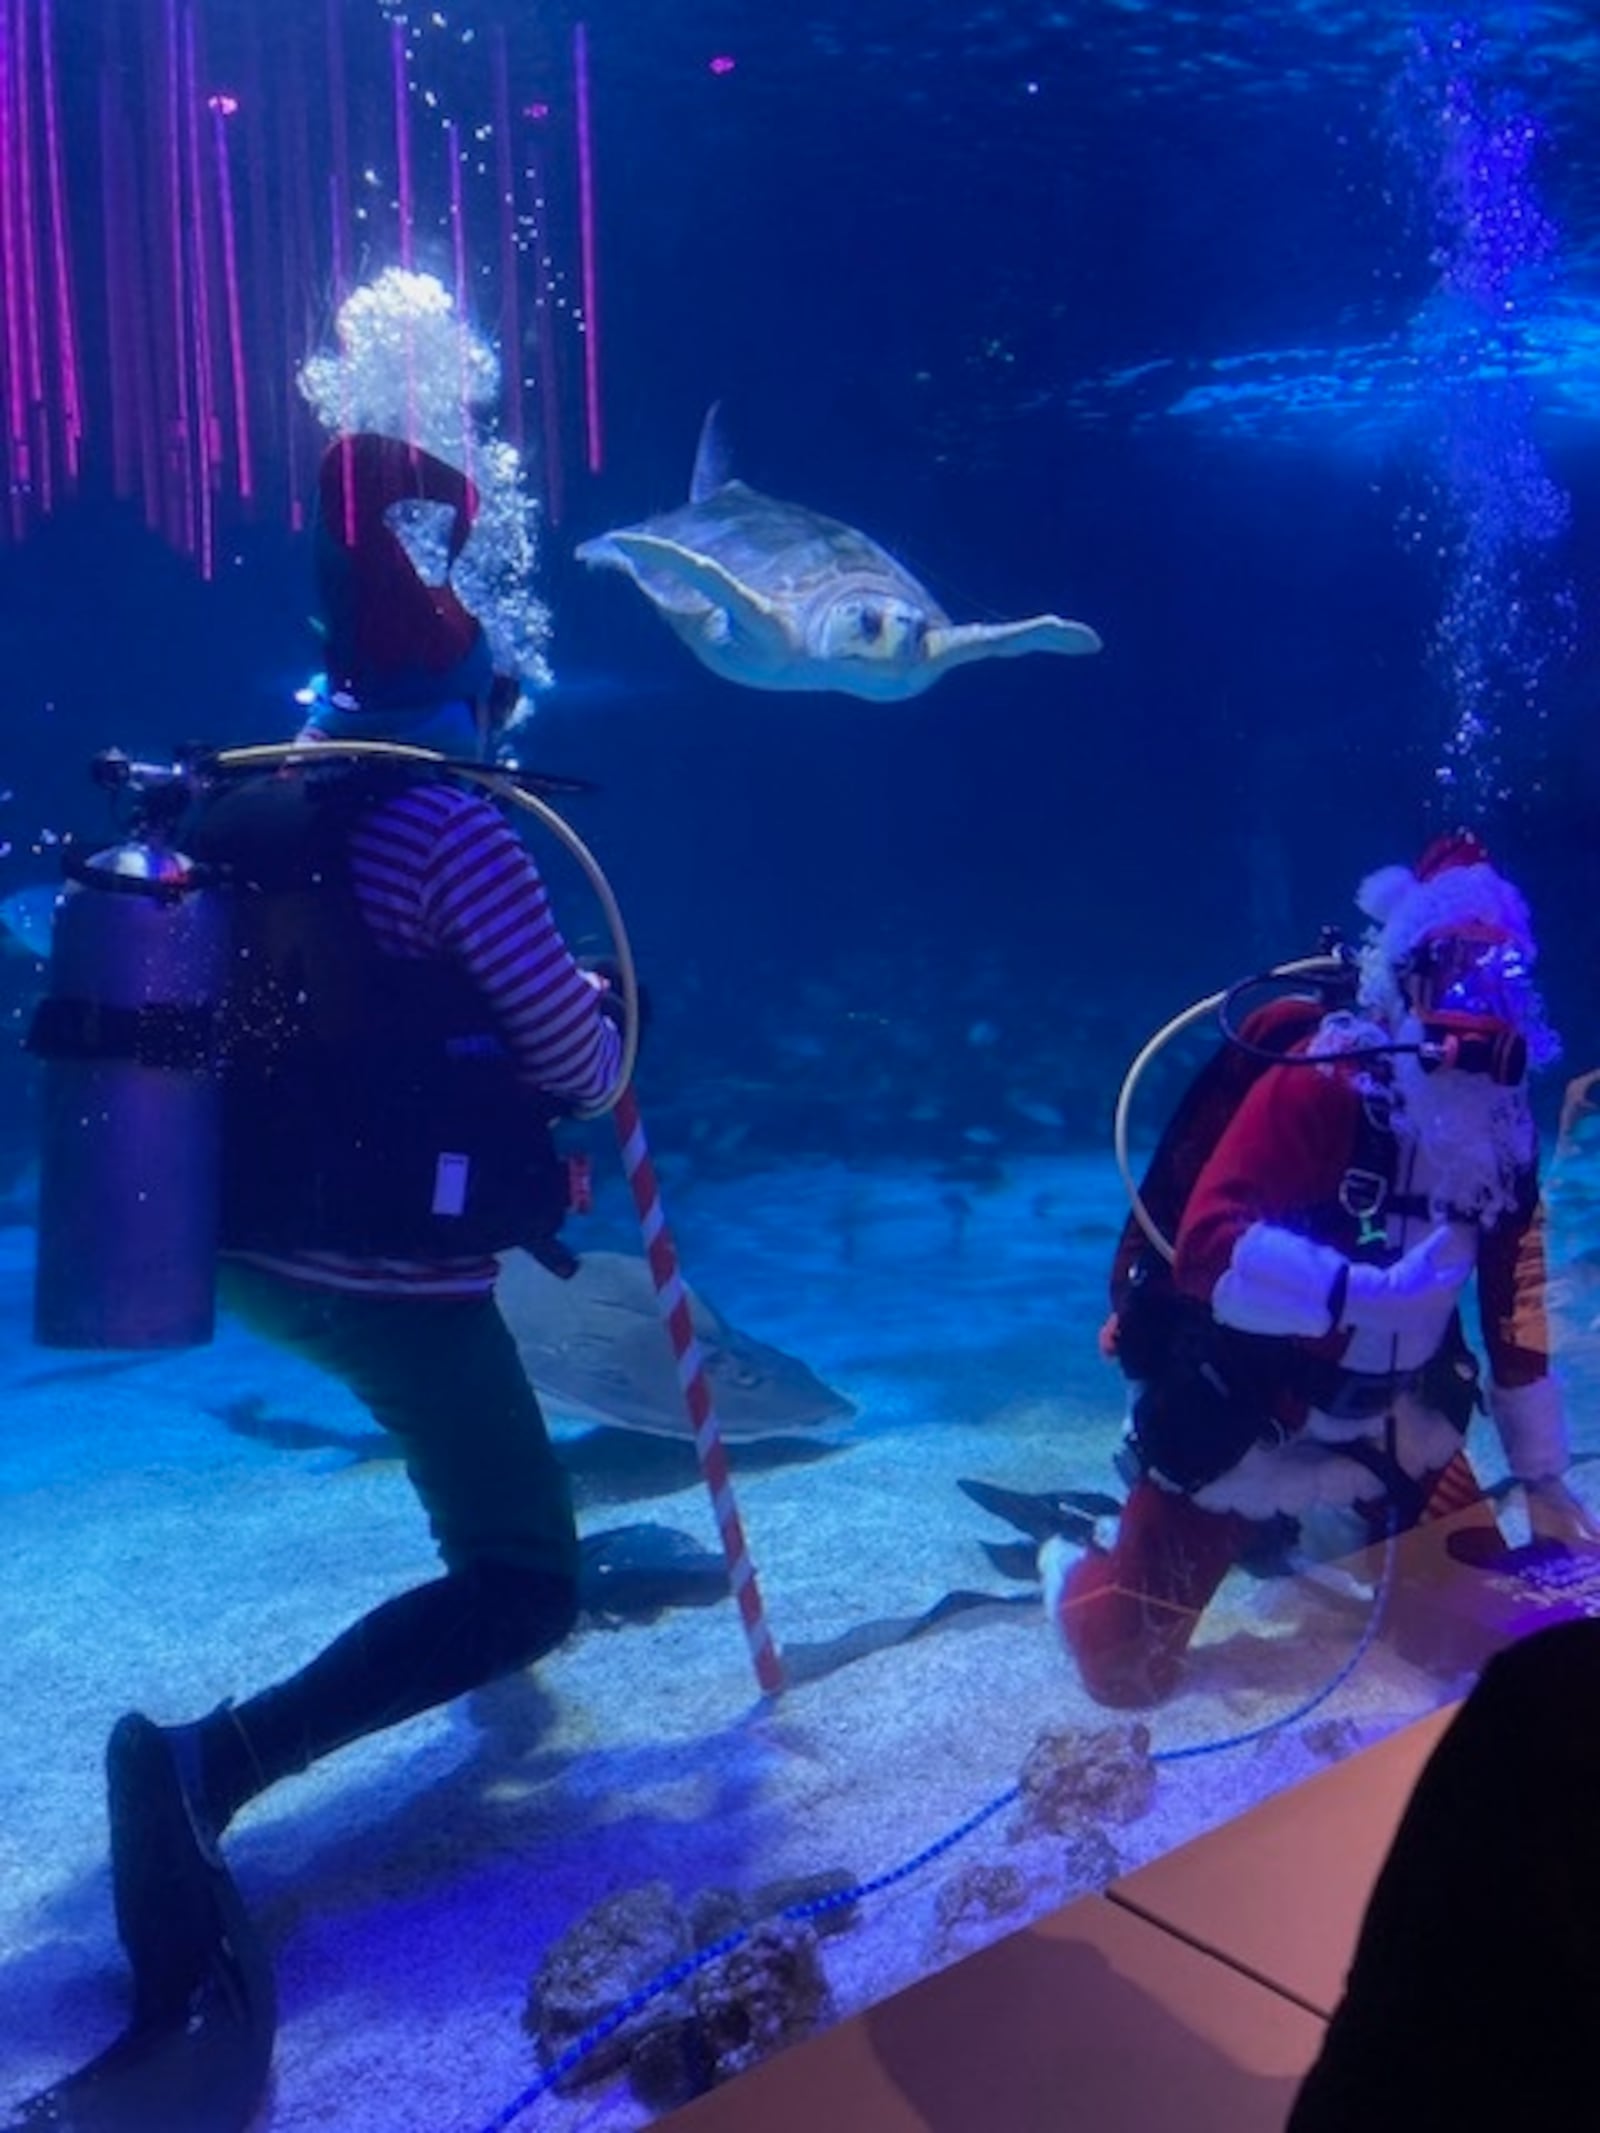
1200, 1413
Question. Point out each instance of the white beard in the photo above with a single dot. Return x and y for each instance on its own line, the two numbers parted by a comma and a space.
1475, 1139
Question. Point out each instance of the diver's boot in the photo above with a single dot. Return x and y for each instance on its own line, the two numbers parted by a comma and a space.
1126, 1614
179, 1916
172, 1790
1455, 1492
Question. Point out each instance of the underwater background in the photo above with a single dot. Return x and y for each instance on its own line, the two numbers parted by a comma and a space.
1265, 340
1259, 339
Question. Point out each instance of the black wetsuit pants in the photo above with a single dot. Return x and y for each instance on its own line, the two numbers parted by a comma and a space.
444, 1378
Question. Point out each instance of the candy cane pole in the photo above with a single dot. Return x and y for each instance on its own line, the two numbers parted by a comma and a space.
709, 1449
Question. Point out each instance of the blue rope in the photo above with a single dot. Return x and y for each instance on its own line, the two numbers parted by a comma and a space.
1369, 1637
679, 1973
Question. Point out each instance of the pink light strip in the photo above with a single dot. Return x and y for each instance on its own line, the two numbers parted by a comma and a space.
183, 441
339, 123
230, 277
298, 252
591, 295
33, 315
118, 326
402, 138
16, 385
60, 249
138, 253
129, 248
28, 207
458, 243
347, 457
506, 187
549, 363
210, 439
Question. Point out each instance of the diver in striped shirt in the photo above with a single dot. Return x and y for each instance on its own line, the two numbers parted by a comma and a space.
406, 1000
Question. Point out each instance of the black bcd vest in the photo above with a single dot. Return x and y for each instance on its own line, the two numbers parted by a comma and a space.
370, 1101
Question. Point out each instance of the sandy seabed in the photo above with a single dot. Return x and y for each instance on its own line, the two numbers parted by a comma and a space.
410, 1886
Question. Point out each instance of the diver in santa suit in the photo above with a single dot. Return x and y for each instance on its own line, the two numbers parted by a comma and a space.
1320, 1260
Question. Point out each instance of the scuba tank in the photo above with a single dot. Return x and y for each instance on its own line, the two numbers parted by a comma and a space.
130, 1146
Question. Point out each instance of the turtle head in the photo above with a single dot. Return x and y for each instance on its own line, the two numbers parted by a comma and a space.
878, 629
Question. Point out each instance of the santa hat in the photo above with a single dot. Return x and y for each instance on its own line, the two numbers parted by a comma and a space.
1453, 889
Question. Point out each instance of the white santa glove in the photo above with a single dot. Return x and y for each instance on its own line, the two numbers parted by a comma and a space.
1280, 1282
1392, 1299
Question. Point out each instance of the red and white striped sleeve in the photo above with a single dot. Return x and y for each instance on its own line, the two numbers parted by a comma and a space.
480, 899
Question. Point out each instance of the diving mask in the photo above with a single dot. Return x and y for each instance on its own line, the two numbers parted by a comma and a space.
1474, 995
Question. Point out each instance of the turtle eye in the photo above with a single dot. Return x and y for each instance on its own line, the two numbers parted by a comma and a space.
871, 624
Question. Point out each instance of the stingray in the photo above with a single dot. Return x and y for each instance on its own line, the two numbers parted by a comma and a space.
775, 596
596, 1349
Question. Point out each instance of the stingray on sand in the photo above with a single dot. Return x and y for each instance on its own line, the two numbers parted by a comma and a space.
596, 1349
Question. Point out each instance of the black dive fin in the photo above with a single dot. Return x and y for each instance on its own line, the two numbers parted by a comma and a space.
1039, 1517
200, 2069
1014, 1559
198, 2053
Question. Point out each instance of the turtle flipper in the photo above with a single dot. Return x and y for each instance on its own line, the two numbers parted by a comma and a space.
683, 580
958, 644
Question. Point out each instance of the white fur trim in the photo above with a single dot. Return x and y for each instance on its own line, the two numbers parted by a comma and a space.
1380, 893
1456, 898
1532, 1421
1277, 1282
1310, 1472
1399, 1313
1057, 1560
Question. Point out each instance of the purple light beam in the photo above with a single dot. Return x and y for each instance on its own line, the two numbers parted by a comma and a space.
16, 396
208, 440
591, 296
183, 430
458, 246
402, 139
506, 187
221, 110
60, 250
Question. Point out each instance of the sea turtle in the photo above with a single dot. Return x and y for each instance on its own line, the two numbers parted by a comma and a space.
779, 597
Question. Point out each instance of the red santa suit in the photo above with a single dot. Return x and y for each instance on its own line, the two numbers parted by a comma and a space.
1308, 1197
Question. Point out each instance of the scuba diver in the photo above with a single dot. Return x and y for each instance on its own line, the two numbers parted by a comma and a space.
399, 986
1303, 1352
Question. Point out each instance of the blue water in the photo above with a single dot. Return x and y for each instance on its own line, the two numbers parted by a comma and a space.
1263, 340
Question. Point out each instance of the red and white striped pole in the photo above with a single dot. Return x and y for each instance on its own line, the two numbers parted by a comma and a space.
674, 1302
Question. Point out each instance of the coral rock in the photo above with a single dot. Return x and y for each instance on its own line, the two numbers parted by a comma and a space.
1075, 1779
599, 1963
769, 1992
971, 1901
1332, 1738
